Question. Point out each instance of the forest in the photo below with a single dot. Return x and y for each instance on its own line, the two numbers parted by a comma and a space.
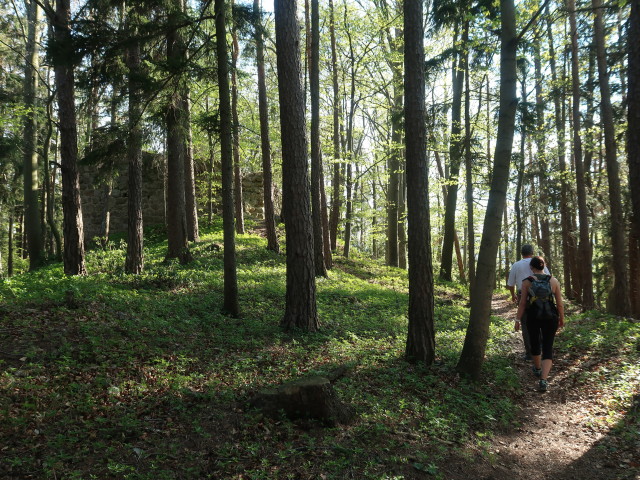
199, 200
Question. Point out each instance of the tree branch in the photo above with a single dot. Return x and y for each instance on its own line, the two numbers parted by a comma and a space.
532, 21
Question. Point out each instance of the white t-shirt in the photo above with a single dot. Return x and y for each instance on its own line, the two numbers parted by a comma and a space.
520, 271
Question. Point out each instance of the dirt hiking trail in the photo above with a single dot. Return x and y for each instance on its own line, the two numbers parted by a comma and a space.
557, 434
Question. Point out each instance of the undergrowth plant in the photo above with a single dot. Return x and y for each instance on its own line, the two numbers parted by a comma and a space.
122, 376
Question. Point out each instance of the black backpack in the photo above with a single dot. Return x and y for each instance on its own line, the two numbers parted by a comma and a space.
540, 299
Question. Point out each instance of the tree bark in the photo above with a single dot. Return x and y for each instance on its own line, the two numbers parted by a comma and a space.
336, 202
230, 305
421, 335
54, 241
568, 240
300, 310
402, 233
237, 172
135, 239
374, 218
316, 158
348, 199
33, 227
178, 246
633, 144
191, 203
395, 155
349, 149
211, 166
475, 342
107, 187
455, 158
590, 135
541, 144
618, 302
468, 161
73, 229
586, 276
326, 238
519, 201
226, 146
265, 143
456, 239
10, 242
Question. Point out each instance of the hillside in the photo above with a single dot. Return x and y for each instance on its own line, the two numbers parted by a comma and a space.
142, 377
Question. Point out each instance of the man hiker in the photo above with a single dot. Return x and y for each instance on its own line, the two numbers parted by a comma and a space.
519, 272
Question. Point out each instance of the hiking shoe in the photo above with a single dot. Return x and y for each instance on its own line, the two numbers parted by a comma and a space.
536, 371
543, 386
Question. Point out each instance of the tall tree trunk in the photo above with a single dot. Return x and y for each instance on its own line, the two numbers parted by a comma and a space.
395, 155
21, 233
619, 299
475, 342
374, 218
54, 249
73, 229
52, 192
633, 144
237, 172
468, 162
349, 150
421, 335
541, 145
307, 49
456, 240
10, 243
210, 179
326, 238
178, 246
265, 143
135, 239
586, 277
519, 201
392, 203
300, 310
455, 158
33, 228
107, 187
191, 203
590, 134
210, 144
348, 199
505, 237
336, 184
316, 158
568, 241
226, 147
402, 233
358, 196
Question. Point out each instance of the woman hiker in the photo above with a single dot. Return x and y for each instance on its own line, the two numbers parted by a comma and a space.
544, 317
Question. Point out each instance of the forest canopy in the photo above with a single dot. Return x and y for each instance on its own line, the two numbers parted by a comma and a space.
116, 112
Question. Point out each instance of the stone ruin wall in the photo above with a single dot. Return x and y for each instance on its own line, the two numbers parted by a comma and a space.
93, 194
153, 197
253, 196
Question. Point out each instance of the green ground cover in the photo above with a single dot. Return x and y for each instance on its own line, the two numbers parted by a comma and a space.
142, 377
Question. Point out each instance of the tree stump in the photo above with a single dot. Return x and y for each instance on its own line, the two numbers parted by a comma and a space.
311, 397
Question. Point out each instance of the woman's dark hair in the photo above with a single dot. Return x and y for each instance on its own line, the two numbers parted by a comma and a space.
537, 263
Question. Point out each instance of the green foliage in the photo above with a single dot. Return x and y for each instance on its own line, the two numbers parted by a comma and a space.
116, 375
603, 340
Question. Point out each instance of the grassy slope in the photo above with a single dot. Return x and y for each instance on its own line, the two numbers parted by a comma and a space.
145, 379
